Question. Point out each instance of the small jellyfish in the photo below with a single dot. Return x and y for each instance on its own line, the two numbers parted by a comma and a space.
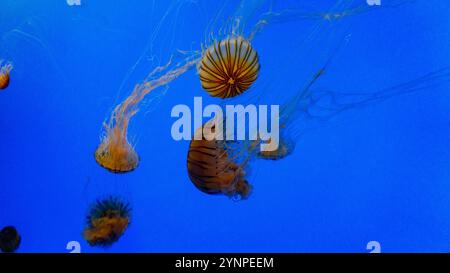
285, 148
107, 221
5, 69
213, 170
9, 239
309, 106
229, 67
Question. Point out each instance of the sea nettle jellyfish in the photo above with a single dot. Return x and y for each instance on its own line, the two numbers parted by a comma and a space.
107, 221
115, 153
229, 67
9, 239
5, 70
212, 169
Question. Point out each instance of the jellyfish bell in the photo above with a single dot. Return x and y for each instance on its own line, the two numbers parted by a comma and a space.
107, 221
229, 67
284, 148
5, 70
10, 239
212, 170
115, 153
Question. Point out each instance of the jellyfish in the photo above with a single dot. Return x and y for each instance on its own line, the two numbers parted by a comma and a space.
115, 153
5, 69
284, 148
212, 169
229, 64
107, 221
229, 67
311, 105
9, 239
25, 35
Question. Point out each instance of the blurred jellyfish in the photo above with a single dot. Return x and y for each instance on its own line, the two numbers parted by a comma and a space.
107, 221
27, 34
212, 169
9, 239
5, 69
309, 106
285, 147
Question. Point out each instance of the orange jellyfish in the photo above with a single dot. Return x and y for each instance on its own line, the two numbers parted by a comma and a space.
213, 170
107, 221
4, 74
229, 67
9, 239
115, 153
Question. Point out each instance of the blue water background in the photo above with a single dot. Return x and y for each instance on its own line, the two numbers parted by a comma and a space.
379, 173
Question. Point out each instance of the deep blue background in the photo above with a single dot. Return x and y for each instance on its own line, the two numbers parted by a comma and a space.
376, 173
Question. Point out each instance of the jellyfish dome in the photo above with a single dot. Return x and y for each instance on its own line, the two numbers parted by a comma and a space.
212, 169
228, 68
9, 239
284, 149
115, 153
107, 221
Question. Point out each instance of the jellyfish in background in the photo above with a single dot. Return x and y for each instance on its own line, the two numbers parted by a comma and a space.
9, 239
285, 148
212, 169
5, 69
107, 221
311, 105
229, 67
